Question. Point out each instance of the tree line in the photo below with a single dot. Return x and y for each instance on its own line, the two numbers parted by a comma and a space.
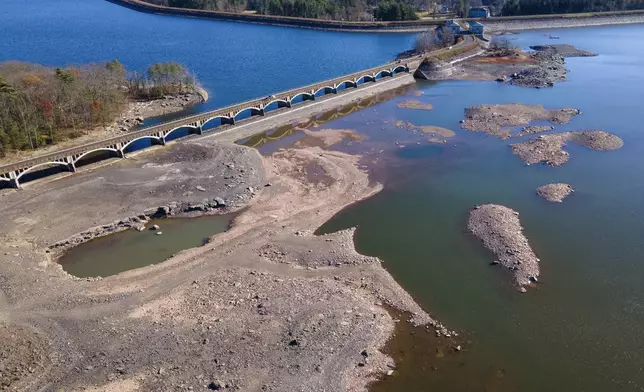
40, 106
537, 7
352, 10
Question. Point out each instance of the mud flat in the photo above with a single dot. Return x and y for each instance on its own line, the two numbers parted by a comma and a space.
500, 230
555, 193
265, 306
548, 149
491, 119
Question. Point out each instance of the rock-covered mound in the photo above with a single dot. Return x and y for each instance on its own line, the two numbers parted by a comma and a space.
549, 69
564, 50
548, 149
491, 118
555, 193
500, 230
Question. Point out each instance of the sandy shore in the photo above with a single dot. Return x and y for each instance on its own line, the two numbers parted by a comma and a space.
266, 306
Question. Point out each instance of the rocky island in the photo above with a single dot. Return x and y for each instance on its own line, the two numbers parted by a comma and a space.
555, 193
500, 230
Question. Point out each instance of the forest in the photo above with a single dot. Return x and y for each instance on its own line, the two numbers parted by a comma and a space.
40, 106
387, 10
354, 10
537, 7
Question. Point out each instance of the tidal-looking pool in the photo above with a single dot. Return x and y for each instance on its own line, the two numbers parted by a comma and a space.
130, 249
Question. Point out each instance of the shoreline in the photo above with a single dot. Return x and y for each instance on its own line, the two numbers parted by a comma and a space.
415, 26
270, 247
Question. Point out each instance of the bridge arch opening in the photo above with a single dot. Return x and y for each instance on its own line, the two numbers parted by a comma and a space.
381, 74
247, 113
365, 79
42, 170
180, 132
301, 97
5, 183
322, 91
141, 143
95, 156
275, 105
215, 122
399, 69
344, 85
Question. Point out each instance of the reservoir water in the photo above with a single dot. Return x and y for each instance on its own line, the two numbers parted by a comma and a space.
233, 61
580, 329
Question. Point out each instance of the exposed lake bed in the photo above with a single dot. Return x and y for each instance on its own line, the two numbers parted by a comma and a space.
279, 308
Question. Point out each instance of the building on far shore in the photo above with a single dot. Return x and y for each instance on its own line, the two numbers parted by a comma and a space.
454, 26
478, 12
477, 28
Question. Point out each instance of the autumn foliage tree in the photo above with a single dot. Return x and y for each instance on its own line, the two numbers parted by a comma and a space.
40, 106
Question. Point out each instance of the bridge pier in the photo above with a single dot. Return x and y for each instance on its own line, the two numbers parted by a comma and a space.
71, 166
199, 130
13, 180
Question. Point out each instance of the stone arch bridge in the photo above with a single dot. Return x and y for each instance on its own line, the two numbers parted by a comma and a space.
67, 159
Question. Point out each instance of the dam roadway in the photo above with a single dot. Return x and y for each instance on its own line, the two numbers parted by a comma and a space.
223, 121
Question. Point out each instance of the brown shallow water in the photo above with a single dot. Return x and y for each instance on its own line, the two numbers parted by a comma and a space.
130, 249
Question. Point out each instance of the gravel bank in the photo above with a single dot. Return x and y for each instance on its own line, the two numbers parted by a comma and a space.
500, 230
491, 119
549, 69
548, 149
555, 193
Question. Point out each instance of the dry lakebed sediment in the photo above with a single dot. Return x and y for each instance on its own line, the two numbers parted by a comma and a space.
265, 306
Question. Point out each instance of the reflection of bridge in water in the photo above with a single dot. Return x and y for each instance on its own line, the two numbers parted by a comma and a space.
316, 121
69, 159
